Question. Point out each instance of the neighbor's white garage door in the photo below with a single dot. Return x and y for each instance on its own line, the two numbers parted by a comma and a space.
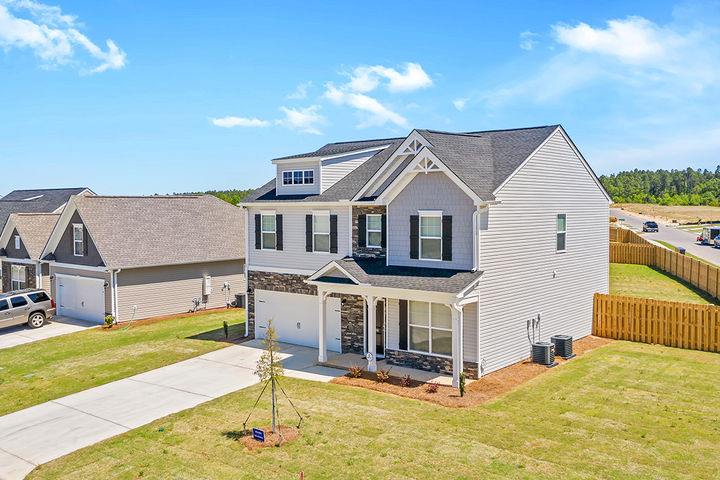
80, 297
295, 318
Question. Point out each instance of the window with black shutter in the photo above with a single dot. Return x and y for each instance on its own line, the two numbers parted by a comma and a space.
403, 343
447, 238
362, 230
279, 231
414, 236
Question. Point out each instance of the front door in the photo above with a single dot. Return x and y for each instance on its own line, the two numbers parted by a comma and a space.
379, 329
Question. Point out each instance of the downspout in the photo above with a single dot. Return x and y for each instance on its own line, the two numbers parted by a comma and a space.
115, 294
38, 274
460, 340
113, 312
476, 240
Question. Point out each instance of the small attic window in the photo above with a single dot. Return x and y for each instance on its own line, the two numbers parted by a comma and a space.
32, 198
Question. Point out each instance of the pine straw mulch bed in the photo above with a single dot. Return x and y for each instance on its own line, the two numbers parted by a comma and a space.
477, 392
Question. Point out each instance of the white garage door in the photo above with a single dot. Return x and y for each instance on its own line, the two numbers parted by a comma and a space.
80, 297
295, 318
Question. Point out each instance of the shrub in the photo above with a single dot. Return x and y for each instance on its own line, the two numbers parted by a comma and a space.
109, 321
355, 372
432, 387
405, 381
383, 375
462, 384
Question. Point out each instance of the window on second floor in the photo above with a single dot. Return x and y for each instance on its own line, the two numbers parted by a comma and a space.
374, 230
17, 242
561, 234
298, 177
269, 238
321, 232
78, 240
431, 236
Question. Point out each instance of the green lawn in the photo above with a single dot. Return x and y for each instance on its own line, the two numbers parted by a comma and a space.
48, 369
627, 410
647, 282
673, 247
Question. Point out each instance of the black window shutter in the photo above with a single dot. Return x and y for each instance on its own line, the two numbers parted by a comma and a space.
383, 231
278, 232
403, 344
447, 238
333, 234
414, 236
258, 233
85, 241
362, 230
308, 233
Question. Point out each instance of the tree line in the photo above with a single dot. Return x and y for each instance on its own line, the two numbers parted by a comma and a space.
665, 187
231, 196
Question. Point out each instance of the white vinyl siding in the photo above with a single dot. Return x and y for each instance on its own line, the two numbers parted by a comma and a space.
294, 257
334, 169
522, 279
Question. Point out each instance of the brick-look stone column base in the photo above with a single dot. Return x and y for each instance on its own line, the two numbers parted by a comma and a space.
428, 363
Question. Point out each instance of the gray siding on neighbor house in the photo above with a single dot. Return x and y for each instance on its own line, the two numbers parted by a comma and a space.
64, 250
10, 249
54, 269
298, 189
293, 257
336, 168
170, 289
432, 191
45, 276
523, 278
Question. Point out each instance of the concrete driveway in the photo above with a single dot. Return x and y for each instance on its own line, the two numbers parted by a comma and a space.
19, 334
50, 430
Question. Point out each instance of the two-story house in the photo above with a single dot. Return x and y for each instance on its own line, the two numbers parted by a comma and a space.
432, 251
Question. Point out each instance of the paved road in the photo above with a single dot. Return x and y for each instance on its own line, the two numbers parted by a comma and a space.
20, 334
50, 430
673, 236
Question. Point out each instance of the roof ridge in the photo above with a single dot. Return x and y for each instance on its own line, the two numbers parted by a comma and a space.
193, 195
473, 134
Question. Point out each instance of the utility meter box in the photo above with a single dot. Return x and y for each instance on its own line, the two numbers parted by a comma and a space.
207, 285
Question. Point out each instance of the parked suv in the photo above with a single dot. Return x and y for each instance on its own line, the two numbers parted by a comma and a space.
650, 227
31, 306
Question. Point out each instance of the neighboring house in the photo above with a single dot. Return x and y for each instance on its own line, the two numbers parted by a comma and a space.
50, 200
432, 251
21, 245
140, 257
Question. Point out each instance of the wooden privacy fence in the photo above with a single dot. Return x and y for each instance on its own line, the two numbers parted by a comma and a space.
700, 275
675, 324
623, 235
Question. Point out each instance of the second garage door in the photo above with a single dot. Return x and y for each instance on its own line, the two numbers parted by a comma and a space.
295, 318
80, 297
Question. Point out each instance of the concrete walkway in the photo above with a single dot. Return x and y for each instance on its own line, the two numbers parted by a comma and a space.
20, 334
50, 430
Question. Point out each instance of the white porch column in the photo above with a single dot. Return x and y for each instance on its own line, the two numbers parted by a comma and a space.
457, 343
371, 355
322, 327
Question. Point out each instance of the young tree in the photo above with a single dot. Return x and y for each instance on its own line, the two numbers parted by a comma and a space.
269, 368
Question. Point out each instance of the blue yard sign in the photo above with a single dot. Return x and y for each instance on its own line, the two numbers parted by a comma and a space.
258, 435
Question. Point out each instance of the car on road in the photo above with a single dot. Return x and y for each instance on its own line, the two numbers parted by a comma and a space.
708, 235
650, 227
32, 306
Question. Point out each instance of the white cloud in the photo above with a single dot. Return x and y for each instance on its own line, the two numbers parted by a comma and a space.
53, 36
229, 122
304, 119
527, 40
376, 113
367, 78
460, 103
301, 91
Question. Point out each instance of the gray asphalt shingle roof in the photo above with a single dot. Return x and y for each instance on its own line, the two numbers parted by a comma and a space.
35, 230
43, 201
482, 160
375, 272
161, 230
342, 147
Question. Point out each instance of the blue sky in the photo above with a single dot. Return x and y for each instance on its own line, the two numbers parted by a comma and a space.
158, 97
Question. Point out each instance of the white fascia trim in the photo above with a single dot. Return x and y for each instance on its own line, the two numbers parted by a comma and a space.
267, 212
330, 266
78, 267
414, 135
24, 261
399, 293
355, 152
295, 204
189, 262
290, 161
469, 288
292, 271
7, 231
406, 176
66, 275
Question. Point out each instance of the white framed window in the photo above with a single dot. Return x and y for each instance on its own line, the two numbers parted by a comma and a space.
18, 277
298, 177
374, 230
267, 228
431, 235
321, 232
430, 328
561, 233
78, 240
17, 242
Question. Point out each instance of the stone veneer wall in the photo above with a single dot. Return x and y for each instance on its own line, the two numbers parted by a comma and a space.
428, 363
352, 312
29, 275
364, 251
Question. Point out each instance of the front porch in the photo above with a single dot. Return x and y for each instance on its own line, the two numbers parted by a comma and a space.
417, 321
